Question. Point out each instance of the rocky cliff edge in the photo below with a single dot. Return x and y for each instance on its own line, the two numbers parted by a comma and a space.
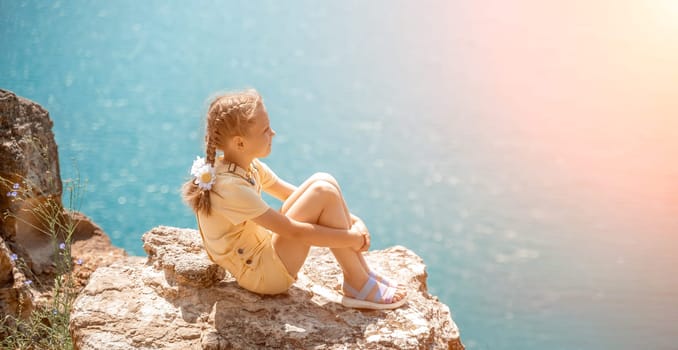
177, 298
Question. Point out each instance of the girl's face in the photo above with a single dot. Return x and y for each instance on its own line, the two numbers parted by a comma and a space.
260, 135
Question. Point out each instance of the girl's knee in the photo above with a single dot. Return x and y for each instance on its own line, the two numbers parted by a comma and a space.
326, 177
324, 188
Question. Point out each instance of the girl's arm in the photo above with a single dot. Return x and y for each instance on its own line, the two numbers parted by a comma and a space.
312, 234
280, 190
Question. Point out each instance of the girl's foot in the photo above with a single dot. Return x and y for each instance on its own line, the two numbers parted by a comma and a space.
374, 295
384, 280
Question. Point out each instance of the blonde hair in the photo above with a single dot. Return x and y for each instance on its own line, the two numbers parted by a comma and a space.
228, 115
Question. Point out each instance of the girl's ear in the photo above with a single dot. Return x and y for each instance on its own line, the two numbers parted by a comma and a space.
238, 143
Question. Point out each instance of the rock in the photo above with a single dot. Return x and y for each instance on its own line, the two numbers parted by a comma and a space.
90, 248
6, 265
33, 218
28, 155
29, 178
180, 254
179, 299
15, 296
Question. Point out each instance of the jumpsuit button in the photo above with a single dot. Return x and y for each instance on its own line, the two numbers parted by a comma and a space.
249, 261
240, 251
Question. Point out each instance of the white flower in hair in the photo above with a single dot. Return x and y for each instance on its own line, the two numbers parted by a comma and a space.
204, 173
198, 163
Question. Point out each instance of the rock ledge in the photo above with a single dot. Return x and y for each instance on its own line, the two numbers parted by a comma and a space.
177, 298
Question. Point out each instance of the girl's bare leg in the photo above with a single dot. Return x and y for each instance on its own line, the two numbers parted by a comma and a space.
320, 201
330, 179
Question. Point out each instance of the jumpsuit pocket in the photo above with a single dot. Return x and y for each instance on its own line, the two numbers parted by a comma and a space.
248, 258
242, 261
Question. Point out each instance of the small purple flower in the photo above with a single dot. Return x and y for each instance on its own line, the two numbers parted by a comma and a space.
54, 311
15, 186
79, 261
9, 194
13, 257
62, 246
13, 194
28, 282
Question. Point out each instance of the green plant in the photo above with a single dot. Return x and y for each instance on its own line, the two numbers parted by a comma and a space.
47, 325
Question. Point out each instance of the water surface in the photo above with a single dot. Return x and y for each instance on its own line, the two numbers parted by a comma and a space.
527, 151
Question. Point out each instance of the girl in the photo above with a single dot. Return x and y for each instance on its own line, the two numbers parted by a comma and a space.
261, 247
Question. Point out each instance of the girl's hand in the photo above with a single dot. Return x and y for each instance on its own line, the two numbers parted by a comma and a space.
354, 218
360, 228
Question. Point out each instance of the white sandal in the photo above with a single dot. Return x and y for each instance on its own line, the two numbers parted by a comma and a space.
384, 293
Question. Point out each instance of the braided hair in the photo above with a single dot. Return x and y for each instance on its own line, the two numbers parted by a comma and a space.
228, 115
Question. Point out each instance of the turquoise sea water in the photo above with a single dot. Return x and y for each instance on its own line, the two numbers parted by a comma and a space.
527, 152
